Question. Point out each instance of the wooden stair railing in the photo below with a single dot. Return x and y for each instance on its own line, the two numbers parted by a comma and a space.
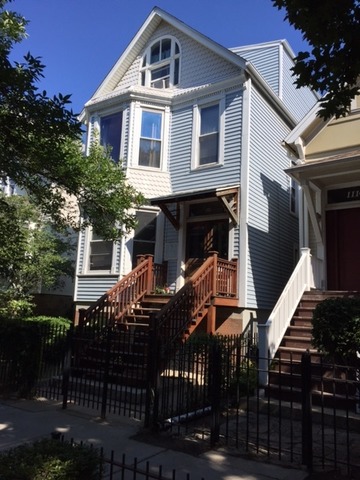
189, 305
116, 302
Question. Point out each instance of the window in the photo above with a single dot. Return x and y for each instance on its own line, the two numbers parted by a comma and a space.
150, 139
161, 64
145, 235
100, 253
207, 135
110, 133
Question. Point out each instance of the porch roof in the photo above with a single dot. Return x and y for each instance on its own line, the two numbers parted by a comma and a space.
229, 196
328, 171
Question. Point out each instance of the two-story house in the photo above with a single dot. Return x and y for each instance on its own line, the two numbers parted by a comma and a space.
198, 128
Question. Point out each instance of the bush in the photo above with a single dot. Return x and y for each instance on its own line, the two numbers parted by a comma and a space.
50, 460
336, 328
25, 345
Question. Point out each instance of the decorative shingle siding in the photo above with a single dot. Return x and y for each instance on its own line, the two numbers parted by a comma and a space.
272, 230
151, 183
198, 66
298, 101
266, 61
91, 288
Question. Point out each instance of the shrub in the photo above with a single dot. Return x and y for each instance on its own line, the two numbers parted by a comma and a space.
27, 344
336, 328
50, 460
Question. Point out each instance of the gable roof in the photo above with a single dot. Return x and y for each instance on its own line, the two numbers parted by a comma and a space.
138, 43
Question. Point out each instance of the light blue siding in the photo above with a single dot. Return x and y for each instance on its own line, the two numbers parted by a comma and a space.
185, 179
266, 60
298, 100
91, 288
272, 230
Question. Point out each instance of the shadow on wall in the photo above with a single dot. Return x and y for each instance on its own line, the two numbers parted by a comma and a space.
273, 248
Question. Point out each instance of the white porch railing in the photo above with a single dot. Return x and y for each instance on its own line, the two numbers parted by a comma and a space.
272, 332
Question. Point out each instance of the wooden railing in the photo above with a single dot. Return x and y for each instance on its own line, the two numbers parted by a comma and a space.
214, 277
117, 301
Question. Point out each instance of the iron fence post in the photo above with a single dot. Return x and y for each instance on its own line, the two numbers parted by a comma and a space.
307, 440
106, 373
215, 390
153, 366
67, 366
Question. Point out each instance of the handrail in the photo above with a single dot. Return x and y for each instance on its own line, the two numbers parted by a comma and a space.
115, 303
214, 277
272, 332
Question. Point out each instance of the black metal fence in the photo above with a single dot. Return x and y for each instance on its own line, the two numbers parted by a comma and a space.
207, 390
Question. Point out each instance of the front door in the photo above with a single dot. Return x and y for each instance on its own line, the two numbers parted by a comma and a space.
343, 249
202, 238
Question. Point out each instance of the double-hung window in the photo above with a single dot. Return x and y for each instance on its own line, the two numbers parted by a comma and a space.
110, 134
207, 135
100, 253
150, 139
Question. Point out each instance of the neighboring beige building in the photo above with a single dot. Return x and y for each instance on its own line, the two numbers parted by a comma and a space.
328, 170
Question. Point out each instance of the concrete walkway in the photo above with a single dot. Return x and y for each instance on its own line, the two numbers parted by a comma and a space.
24, 421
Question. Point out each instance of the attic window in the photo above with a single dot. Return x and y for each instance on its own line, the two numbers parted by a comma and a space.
161, 64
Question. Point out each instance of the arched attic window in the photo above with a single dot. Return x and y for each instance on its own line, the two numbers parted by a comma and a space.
161, 64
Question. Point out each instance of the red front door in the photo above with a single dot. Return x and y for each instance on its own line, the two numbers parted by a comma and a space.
343, 249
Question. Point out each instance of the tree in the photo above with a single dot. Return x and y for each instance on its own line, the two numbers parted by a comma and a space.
32, 255
332, 67
40, 148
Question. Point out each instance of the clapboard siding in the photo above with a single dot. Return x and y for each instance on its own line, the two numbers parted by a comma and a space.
266, 61
182, 177
272, 230
91, 288
298, 101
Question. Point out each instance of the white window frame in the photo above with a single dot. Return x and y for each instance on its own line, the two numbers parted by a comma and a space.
195, 153
148, 68
165, 112
86, 261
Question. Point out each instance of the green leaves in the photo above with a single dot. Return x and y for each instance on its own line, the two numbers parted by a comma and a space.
40, 148
332, 64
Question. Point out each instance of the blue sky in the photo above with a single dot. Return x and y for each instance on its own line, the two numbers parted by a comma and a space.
80, 40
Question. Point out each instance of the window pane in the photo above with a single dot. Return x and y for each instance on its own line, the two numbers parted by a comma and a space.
176, 72
209, 149
166, 48
110, 133
100, 255
151, 125
209, 119
177, 49
155, 53
160, 72
149, 155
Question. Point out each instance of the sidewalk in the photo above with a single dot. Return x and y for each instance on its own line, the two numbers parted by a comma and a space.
29, 420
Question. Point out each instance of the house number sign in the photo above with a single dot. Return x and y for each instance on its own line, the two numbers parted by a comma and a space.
350, 194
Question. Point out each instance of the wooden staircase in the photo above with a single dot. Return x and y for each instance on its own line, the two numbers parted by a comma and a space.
328, 385
114, 332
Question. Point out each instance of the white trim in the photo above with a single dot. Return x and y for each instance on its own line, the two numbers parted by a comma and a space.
165, 121
208, 102
281, 72
244, 196
149, 67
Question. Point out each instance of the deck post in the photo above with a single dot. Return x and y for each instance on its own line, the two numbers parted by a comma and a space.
211, 319
150, 273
